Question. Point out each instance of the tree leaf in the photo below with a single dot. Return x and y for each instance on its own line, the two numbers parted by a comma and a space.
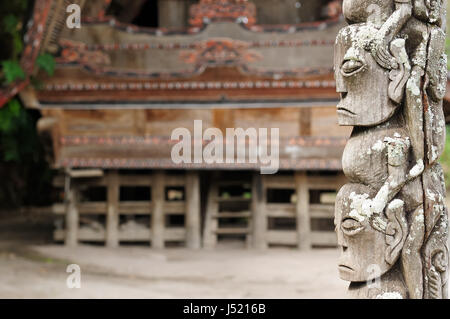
10, 23
46, 62
12, 71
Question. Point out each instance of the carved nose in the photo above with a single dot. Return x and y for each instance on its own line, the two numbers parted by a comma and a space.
341, 86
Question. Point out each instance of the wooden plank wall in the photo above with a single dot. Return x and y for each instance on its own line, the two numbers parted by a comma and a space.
157, 233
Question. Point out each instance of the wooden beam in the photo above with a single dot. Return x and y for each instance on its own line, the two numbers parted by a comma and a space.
259, 218
112, 215
192, 190
158, 198
72, 216
85, 173
302, 211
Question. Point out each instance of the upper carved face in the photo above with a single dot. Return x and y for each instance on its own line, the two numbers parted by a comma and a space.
370, 245
363, 84
374, 11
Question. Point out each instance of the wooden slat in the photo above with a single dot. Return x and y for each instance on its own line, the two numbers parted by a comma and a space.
178, 207
283, 182
135, 180
325, 182
280, 210
86, 234
85, 173
280, 237
135, 207
125, 208
92, 208
321, 210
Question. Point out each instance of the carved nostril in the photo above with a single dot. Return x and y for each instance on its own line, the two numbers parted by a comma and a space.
343, 95
344, 248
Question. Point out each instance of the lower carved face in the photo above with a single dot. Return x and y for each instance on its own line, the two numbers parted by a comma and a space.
364, 249
362, 83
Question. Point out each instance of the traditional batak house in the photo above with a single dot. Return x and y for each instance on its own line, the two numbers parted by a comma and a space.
137, 70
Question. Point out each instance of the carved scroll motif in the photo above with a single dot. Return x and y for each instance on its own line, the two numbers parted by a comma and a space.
391, 73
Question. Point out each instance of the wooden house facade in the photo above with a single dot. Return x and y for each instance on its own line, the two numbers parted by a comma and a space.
122, 86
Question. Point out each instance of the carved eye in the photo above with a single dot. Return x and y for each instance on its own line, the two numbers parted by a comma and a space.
351, 226
350, 67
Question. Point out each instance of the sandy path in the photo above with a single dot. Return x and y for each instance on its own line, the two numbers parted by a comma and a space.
140, 272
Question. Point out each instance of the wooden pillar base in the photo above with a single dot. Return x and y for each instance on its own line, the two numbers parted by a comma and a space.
302, 211
192, 191
158, 199
112, 217
72, 215
259, 218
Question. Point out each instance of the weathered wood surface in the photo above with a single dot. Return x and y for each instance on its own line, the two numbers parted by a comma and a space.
124, 138
112, 214
72, 214
391, 220
302, 211
259, 212
158, 210
192, 192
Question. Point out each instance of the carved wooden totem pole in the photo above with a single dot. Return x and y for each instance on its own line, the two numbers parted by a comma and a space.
391, 221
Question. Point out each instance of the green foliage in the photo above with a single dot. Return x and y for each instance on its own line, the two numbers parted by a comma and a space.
24, 174
46, 62
10, 23
8, 115
26, 177
12, 71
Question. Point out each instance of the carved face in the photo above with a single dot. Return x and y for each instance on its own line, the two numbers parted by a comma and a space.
361, 82
366, 252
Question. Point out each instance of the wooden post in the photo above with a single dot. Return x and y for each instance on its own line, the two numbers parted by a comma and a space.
112, 217
212, 208
72, 217
192, 191
259, 218
302, 211
158, 199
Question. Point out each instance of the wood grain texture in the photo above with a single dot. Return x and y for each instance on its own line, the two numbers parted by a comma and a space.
391, 219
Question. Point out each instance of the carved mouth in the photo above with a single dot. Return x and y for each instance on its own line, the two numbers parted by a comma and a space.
345, 267
344, 111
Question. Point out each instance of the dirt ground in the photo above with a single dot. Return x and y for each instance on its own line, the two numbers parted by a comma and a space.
33, 267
